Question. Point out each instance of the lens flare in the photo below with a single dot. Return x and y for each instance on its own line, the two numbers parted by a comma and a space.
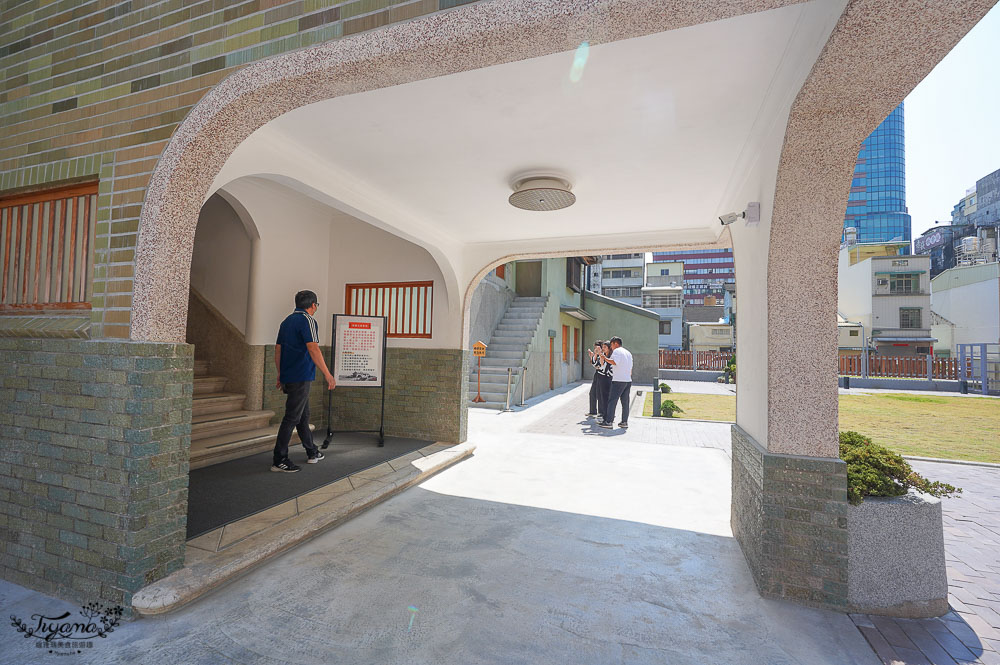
579, 62
413, 613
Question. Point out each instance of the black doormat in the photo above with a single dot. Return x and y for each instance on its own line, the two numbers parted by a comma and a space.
223, 493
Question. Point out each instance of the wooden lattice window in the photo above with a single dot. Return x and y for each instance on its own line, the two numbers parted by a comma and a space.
408, 306
47, 248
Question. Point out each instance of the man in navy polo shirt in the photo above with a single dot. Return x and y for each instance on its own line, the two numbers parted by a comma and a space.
296, 356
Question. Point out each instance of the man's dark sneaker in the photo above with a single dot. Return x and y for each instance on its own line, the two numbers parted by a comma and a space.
623, 425
285, 466
315, 458
606, 425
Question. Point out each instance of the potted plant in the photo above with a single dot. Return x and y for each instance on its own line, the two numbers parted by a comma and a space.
895, 536
664, 388
668, 408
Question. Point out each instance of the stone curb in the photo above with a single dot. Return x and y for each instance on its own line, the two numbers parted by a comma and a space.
218, 569
962, 462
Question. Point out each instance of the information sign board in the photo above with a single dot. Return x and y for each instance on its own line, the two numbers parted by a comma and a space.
359, 347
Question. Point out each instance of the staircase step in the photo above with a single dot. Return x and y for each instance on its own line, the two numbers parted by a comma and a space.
506, 346
489, 386
201, 367
492, 396
209, 384
216, 403
511, 336
494, 406
501, 362
225, 447
216, 424
519, 299
522, 314
492, 370
504, 354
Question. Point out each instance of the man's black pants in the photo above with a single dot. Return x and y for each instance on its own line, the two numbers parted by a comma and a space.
296, 418
619, 392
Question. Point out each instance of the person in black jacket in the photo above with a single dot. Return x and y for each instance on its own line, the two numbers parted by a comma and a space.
595, 360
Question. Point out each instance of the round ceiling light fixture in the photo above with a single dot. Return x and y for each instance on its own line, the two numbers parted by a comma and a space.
541, 192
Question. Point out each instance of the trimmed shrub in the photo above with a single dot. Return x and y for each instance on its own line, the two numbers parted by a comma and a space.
874, 470
664, 388
668, 408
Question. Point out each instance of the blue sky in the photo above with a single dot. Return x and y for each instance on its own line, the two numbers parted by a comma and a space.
953, 125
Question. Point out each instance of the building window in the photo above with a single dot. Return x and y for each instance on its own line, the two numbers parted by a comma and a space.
47, 248
619, 274
623, 292
574, 275
665, 327
501, 271
565, 343
904, 283
853, 333
664, 271
720, 331
660, 301
407, 306
909, 317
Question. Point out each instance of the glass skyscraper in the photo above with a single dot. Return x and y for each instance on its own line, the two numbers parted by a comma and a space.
876, 206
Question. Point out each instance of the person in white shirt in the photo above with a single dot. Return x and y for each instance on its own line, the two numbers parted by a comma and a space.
620, 361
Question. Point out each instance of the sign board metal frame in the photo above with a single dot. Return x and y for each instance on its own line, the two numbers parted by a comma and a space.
381, 384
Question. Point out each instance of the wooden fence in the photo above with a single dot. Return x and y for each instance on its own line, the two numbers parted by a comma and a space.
903, 367
704, 360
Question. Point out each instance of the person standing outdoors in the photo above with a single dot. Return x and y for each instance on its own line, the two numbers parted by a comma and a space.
621, 382
604, 382
296, 356
595, 360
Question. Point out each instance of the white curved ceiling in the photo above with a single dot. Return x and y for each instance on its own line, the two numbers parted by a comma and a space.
656, 136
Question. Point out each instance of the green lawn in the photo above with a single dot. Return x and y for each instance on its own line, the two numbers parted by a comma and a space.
966, 428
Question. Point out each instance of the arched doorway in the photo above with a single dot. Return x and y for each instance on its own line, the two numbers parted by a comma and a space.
792, 152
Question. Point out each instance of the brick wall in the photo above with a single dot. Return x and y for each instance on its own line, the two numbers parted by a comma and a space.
426, 396
96, 89
94, 440
789, 515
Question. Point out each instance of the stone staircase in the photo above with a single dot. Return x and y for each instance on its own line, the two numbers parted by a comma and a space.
508, 347
221, 430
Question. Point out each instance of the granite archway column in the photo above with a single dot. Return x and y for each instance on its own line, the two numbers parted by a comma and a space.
789, 486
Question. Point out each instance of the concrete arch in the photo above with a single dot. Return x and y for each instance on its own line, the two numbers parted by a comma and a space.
472, 282
470, 37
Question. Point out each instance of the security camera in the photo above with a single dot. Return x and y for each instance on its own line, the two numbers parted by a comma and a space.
728, 219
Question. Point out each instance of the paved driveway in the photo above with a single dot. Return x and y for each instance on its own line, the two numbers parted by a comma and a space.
542, 548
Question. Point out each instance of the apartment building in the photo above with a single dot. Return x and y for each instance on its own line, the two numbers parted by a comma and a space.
663, 293
619, 276
888, 296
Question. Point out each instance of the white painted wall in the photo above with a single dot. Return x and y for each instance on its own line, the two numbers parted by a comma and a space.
220, 264
361, 253
974, 309
305, 244
289, 256
854, 291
